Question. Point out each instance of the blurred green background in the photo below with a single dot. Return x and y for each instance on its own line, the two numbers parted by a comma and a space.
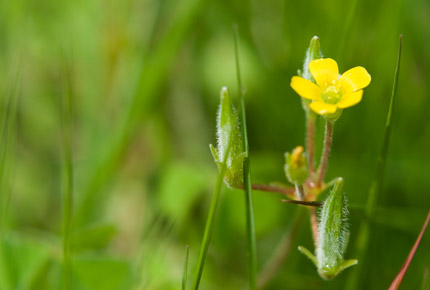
145, 82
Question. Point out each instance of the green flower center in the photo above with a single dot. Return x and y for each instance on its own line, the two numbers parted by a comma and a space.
332, 95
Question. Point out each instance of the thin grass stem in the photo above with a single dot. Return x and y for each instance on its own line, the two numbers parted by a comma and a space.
250, 226
185, 274
210, 221
6, 162
66, 118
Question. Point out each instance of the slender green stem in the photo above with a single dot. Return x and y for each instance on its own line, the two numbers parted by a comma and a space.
67, 129
328, 139
6, 143
7, 155
282, 250
250, 226
210, 221
185, 274
354, 280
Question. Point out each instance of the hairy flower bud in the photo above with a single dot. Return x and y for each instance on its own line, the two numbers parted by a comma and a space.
332, 235
228, 134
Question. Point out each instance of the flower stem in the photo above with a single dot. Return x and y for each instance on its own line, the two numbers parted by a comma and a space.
210, 222
328, 139
310, 142
300, 192
314, 224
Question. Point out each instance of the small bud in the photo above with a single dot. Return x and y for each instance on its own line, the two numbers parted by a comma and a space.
313, 52
228, 134
332, 235
296, 166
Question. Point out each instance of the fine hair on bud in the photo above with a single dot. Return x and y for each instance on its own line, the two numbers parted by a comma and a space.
332, 232
229, 137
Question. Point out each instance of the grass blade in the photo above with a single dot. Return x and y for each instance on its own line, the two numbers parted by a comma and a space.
398, 280
66, 121
7, 134
375, 187
247, 184
210, 221
185, 275
8, 123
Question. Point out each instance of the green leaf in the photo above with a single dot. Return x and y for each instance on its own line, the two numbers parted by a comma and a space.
101, 273
181, 184
92, 237
22, 259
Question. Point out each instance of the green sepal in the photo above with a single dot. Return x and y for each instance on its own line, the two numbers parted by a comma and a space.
308, 254
215, 155
333, 235
335, 116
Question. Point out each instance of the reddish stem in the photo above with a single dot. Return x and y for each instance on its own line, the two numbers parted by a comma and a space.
310, 144
269, 188
401, 274
314, 225
328, 139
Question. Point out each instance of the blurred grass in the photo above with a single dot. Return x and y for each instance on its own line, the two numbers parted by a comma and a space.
147, 75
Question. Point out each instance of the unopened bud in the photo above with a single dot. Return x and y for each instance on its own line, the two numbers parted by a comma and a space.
296, 166
228, 134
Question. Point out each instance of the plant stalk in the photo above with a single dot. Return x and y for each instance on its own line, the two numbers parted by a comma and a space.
210, 222
328, 139
310, 143
250, 226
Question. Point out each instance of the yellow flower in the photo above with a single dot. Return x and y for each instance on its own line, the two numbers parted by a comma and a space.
332, 92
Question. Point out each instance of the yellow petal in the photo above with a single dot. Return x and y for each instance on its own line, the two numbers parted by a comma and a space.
306, 89
354, 79
323, 108
324, 71
350, 99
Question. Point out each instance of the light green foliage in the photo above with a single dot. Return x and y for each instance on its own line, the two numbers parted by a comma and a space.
22, 261
332, 235
144, 74
228, 130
